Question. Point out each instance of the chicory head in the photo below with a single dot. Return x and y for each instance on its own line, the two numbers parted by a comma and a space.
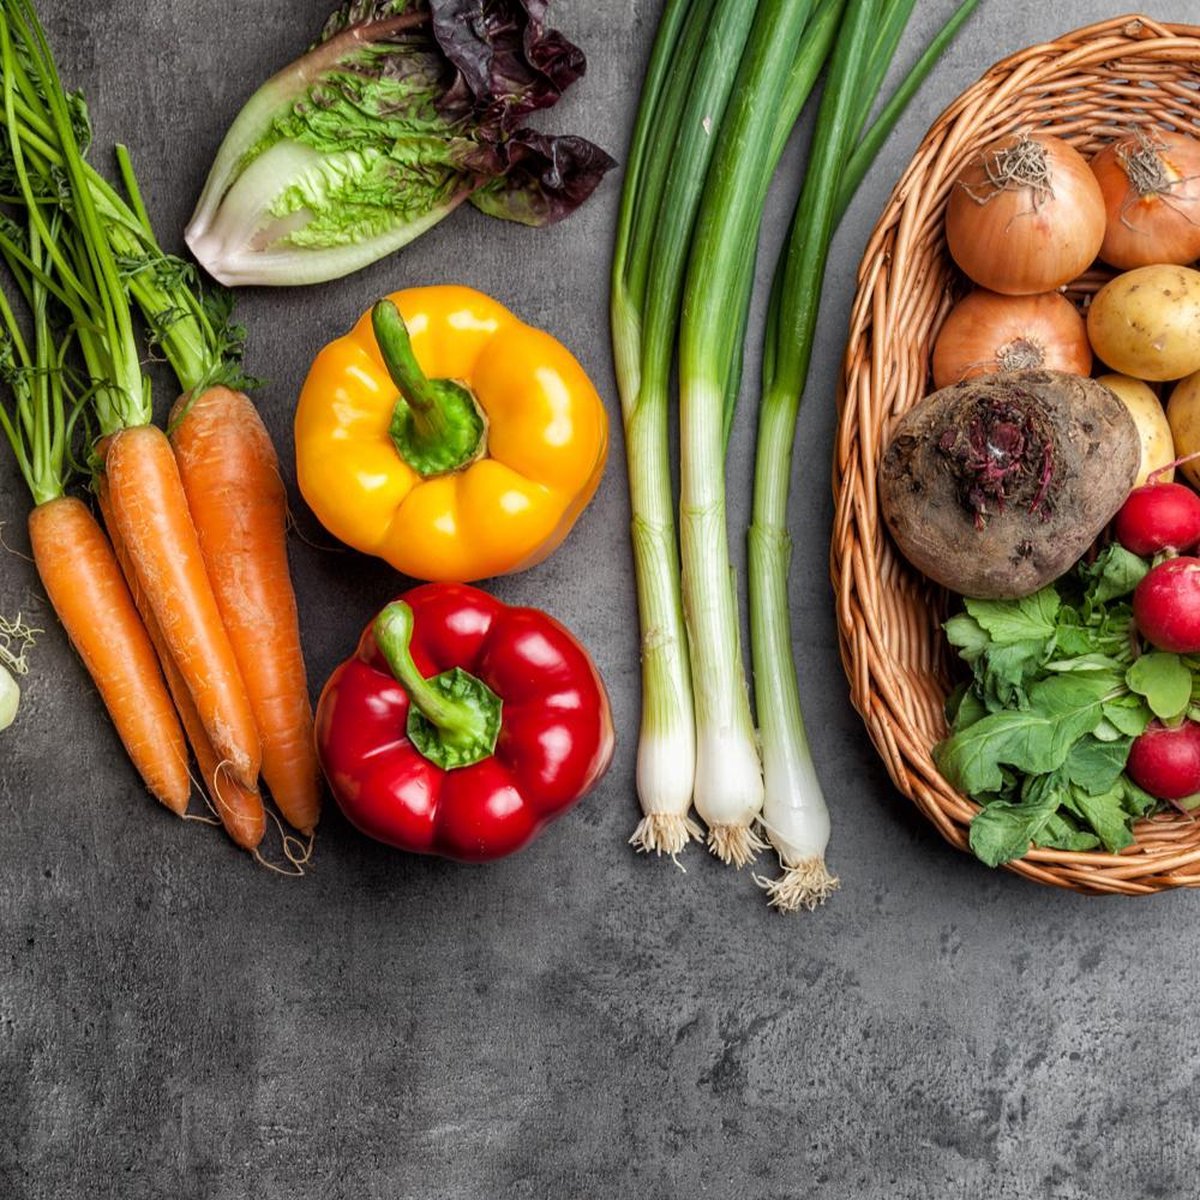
400, 112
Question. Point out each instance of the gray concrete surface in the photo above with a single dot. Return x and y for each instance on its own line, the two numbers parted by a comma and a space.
576, 1022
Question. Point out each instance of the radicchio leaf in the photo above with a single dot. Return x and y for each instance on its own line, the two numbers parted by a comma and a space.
506, 58
546, 179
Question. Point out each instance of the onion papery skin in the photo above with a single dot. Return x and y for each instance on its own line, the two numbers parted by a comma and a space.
987, 332
1013, 237
1151, 189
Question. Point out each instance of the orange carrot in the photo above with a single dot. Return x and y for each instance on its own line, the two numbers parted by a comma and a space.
150, 515
240, 809
88, 591
231, 476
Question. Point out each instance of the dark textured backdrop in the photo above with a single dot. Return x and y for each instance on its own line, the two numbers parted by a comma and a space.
576, 1022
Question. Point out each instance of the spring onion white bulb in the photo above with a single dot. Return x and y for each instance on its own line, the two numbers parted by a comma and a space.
796, 820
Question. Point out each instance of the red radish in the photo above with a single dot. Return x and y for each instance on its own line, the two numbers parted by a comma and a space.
1166, 762
1166, 605
1158, 517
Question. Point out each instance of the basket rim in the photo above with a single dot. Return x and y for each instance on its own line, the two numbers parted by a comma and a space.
867, 570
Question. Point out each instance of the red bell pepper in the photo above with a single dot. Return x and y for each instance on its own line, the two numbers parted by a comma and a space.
462, 726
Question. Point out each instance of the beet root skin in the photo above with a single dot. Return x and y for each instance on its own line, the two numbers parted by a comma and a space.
995, 486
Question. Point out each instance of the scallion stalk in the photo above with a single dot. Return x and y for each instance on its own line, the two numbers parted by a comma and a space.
795, 814
729, 789
692, 65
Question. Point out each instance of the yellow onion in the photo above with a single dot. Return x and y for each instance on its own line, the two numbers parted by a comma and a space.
986, 332
1151, 187
1025, 215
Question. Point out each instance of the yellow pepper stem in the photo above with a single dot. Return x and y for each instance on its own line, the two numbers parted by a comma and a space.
436, 426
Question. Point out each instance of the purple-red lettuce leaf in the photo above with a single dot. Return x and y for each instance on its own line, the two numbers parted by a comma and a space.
547, 178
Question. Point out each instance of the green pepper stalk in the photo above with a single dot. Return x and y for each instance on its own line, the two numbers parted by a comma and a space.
437, 426
454, 718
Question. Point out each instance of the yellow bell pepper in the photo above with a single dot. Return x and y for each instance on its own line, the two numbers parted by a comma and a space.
445, 436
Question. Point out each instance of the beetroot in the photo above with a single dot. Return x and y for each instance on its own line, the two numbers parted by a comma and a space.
1166, 761
993, 487
1166, 605
1158, 517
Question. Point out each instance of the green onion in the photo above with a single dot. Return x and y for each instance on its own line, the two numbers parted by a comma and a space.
794, 811
657, 212
728, 788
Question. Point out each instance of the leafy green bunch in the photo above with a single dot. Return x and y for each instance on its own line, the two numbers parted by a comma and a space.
1060, 687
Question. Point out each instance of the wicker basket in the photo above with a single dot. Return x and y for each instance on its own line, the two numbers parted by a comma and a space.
1083, 87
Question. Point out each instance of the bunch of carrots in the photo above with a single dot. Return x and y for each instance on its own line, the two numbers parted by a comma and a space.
184, 613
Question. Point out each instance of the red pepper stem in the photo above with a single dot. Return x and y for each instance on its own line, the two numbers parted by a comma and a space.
454, 718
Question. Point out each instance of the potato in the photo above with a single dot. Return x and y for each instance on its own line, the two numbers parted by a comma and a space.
1158, 441
1146, 323
1183, 415
995, 486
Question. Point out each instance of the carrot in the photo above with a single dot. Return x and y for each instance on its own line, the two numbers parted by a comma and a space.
89, 594
240, 809
150, 515
231, 476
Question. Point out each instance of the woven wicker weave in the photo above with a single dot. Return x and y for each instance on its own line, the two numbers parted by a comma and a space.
1087, 87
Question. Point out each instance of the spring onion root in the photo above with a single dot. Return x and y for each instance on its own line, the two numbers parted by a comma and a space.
665, 833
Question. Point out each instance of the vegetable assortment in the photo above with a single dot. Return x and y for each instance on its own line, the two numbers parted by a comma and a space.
485, 435
457, 443
725, 84
150, 607
1080, 715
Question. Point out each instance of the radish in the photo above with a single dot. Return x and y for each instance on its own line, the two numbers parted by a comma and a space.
1158, 517
1166, 761
1166, 605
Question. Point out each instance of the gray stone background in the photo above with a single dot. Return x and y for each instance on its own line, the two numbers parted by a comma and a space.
577, 1021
